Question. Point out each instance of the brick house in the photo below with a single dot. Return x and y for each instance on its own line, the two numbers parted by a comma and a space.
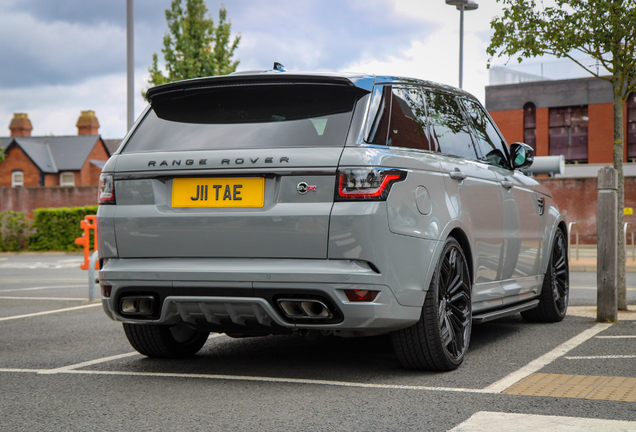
49, 161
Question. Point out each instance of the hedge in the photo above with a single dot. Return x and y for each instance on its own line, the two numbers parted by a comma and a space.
57, 228
14, 229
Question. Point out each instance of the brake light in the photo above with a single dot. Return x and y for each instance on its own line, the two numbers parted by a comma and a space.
106, 191
354, 295
372, 184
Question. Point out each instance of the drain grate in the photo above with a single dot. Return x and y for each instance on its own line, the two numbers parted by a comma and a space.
576, 386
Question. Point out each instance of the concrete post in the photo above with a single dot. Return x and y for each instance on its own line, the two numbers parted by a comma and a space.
607, 250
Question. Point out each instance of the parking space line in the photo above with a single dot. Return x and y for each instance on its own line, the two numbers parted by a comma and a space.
43, 298
486, 421
43, 287
617, 337
544, 360
88, 363
50, 312
601, 357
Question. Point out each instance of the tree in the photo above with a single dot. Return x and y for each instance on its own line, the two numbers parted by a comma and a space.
603, 29
193, 47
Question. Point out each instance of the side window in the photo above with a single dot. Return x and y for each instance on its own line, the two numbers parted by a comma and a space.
449, 131
378, 121
408, 119
492, 146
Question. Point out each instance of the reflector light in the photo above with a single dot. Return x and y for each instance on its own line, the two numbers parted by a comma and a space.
106, 191
367, 184
361, 295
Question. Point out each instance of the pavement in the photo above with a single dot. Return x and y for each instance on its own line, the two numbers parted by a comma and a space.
586, 261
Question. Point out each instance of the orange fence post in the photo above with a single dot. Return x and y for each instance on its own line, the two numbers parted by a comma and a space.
88, 224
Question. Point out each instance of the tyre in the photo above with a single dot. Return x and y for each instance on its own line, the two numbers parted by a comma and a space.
555, 293
161, 341
439, 340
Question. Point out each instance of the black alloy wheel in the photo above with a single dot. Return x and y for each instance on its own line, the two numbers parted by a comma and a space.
439, 340
555, 293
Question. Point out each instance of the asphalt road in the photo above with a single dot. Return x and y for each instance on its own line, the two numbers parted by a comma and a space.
66, 366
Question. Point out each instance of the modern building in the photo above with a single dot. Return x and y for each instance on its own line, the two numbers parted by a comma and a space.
573, 118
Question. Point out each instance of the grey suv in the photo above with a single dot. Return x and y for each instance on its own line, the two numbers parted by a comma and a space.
334, 204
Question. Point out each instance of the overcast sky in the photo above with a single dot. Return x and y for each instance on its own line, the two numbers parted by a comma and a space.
64, 56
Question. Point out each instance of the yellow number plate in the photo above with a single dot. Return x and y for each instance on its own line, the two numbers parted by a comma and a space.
218, 192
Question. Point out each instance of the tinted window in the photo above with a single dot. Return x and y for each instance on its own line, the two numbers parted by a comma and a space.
408, 119
449, 130
490, 142
250, 116
379, 113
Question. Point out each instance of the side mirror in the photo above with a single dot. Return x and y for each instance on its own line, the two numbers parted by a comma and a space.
521, 155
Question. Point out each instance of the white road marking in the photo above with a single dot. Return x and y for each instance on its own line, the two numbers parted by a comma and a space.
485, 421
50, 312
617, 337
70, 263
601, 357
593, 288
87, 363
43, 287
43, 298
541, 362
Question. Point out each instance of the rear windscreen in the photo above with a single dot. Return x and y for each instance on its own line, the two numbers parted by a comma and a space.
247, 116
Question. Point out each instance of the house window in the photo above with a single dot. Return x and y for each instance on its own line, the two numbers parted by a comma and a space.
530, 125
67, 179
631, 127
17, 179
568, 133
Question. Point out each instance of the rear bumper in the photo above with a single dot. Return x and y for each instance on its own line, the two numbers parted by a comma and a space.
244, 291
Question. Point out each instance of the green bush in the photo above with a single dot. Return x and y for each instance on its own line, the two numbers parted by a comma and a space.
13, 231
57, 228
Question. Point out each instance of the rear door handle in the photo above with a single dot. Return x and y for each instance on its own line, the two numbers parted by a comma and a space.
506, 183
457, 175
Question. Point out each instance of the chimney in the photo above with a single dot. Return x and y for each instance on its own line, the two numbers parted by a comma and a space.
87, 123
20, 125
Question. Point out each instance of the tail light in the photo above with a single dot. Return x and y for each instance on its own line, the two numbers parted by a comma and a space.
106, 191
366, 184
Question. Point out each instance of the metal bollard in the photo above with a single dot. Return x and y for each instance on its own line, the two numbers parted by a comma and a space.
607, 247
91, 276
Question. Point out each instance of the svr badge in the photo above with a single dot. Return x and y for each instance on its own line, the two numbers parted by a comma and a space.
303, 188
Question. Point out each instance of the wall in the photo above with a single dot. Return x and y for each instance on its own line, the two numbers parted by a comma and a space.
578, 196
15, 158
27, 199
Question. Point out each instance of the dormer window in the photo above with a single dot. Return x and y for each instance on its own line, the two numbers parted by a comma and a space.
17, 179
67, 179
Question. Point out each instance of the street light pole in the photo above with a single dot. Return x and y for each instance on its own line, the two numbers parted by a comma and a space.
461, 6
130, 63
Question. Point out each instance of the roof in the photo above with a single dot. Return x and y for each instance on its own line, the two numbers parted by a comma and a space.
112, 145
53, 154
362, 81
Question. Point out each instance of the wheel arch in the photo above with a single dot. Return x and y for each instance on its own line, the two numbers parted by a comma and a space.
461, 237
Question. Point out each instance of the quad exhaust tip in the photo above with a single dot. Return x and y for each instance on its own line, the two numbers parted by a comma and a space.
137, 305
297, 308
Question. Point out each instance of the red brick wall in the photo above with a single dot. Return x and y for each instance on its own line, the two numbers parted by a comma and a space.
578, 196
543, 132
510, 123
27, 199
89, 175
15, 158
600, 133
